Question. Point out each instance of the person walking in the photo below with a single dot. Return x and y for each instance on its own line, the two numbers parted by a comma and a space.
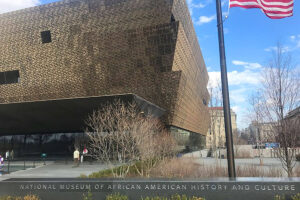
84, 153
81, 158
1, 163
12, 154
7, 155
76, 157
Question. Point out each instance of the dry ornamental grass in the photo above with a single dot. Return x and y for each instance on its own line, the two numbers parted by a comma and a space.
188, 168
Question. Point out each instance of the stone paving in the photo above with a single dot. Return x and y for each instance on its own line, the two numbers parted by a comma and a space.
67, 170
268, 163
56, 170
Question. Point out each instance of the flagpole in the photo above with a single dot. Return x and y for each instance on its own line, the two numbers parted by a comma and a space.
225, 92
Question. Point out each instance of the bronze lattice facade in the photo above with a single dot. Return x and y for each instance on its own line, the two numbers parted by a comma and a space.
85, 48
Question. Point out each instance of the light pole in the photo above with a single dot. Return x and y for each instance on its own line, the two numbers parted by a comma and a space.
225, 92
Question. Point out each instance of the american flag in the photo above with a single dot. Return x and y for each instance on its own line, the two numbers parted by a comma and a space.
275, 9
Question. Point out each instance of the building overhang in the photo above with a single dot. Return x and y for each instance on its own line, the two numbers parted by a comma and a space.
61, 115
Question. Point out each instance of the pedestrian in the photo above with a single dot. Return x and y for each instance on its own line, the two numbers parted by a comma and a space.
7, 155
1, 162
12, 154
84, 153
76, 157
81, 158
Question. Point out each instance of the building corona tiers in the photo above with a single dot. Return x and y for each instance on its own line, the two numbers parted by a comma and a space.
61, 61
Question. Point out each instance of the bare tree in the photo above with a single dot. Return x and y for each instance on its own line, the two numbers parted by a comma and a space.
238, 141
257, 117
120, 135
153, 150
280, 95
215, 129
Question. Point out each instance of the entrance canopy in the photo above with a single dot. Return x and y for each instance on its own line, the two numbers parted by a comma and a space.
60, 115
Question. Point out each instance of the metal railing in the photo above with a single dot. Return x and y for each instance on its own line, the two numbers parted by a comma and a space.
13, 165
17, 164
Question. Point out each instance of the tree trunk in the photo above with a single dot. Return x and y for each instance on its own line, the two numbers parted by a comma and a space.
288, 163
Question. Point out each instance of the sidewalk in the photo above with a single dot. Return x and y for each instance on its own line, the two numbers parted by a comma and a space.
56, 170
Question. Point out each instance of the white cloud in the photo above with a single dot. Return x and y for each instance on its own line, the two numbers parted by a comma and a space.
296, 40
292, 37
242, 116
244, 77
240, 84
239, 95
294, 45
205, 19
270, 49
235, 78
236, 109
298, 44
192, 5
197, 4
189, 2
247, 65
214, 79
11, 5
284, 49
236, 62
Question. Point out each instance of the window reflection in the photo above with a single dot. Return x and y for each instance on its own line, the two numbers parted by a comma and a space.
54, 145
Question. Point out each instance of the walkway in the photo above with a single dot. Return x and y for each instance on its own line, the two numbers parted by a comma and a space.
56, 170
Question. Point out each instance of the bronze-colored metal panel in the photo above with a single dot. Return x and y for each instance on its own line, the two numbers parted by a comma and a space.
107, 47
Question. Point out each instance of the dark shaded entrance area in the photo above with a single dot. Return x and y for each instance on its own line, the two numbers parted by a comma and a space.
58, 145
60, 116
54, 126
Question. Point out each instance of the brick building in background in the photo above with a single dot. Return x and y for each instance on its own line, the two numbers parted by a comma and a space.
294, 117
59, 61
216, 137
262, 132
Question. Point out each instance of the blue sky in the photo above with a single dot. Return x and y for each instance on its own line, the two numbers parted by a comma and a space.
250, 38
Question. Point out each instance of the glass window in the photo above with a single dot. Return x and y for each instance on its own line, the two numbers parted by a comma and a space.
46, 37
9, 77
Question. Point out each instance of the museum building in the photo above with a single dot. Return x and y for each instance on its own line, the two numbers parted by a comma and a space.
61, 61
